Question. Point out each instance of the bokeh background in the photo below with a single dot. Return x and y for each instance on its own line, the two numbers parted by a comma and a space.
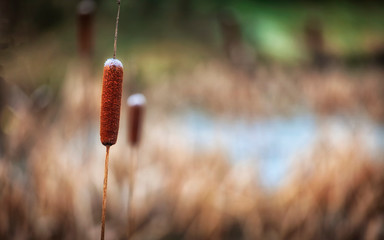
264, 120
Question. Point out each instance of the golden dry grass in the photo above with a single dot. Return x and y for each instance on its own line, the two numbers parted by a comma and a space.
51, 173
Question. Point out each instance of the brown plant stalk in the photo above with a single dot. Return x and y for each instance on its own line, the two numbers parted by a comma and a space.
104, 193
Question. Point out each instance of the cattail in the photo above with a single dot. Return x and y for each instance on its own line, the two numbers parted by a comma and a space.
111, 101
110, 112
136, 109
85, 16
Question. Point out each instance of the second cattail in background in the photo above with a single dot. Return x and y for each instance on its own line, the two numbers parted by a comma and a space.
136, 109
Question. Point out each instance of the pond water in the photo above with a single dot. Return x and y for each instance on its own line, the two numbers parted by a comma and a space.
271, 144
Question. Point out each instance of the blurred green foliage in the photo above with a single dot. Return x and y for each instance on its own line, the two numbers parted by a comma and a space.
162, 37
273, 28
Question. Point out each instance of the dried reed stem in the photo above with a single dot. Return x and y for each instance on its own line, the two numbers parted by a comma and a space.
117, 24
104, 194
131, 185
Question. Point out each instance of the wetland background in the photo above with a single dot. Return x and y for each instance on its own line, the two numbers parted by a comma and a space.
263, 121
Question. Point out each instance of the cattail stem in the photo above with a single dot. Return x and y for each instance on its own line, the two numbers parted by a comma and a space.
131, 185
104, 194
117, 24
136, 106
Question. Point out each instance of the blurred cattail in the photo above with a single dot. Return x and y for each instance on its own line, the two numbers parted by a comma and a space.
85, 14
111, 101
136, 109
3, 99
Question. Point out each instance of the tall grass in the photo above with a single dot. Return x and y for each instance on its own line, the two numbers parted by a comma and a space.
50, 187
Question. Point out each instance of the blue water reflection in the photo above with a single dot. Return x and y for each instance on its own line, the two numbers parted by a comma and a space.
270, 144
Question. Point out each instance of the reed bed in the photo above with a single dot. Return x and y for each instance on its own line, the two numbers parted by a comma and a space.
274, 90
50, 184
180, 195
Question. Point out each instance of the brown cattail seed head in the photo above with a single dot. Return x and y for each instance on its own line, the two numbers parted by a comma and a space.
136, 108
111, 101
